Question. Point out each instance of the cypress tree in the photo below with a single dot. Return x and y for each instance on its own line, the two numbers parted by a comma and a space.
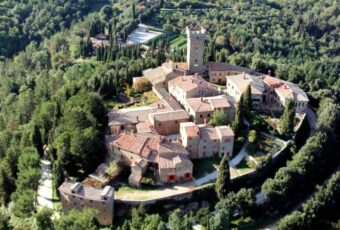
223, 179
36, 139
238, 123
133, 9
287, 119
247, 99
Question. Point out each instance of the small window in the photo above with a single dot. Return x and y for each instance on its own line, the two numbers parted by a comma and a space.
201, 116
176, 122
160, 124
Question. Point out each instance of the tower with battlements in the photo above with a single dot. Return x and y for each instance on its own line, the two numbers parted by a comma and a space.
195, 49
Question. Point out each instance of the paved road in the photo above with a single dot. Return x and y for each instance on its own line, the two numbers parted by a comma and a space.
45, 189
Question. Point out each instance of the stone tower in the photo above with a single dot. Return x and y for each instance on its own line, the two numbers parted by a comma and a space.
195, 49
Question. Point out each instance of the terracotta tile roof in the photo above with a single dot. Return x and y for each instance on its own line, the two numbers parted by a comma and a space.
192, 131
207, 104
144, 127
285, 89
136, 115
199, 105
221, 66
152, 149
225, 131
181, 66
208, 132
271, 81
187, 83
165, 163
170, 116
217, 103
166, 149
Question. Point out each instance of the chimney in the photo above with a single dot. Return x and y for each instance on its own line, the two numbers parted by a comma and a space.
244, 76
269, 72
201, 98
75, 187
158, 105
137, 118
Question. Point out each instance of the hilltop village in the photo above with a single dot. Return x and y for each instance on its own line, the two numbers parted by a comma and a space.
164, 138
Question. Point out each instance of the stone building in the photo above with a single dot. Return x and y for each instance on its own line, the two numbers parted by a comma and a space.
217, 71
238, 84
168, 160
279, 91
195, 49
127, 120
201, 109
185, 87
166, 123
74, 195
204, 141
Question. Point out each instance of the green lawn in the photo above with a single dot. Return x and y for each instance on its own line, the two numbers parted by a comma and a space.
144, 99
205, 166
56, 199
179, 42
244, 167
267, 145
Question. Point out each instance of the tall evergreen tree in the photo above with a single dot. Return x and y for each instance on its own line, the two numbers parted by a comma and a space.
36, 139
133, 8
238, 123
223, 179
247, 99
287, 119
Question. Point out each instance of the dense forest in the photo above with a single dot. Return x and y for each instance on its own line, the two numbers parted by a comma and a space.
54, 91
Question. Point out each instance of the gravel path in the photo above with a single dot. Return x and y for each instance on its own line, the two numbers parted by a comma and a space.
45, 189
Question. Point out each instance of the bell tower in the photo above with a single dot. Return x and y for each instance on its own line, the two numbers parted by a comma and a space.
195, 49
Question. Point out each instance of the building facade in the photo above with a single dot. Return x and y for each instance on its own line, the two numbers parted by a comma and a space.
201, 109
195, 49
204, 141
184, 87
74, 195
168, 160
167, 123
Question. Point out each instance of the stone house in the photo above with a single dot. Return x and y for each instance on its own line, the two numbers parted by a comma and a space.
201, 109
74, 195
238, 84
204, 141
217, 71
279, 91
166, 123
169, 160
126, 120
191, 86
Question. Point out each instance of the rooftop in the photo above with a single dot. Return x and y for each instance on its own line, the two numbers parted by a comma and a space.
136, 115
222, 66
207, 131
88, 192
285, 89
190, 82
152, 148
170, 115
206, 104
241, 81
